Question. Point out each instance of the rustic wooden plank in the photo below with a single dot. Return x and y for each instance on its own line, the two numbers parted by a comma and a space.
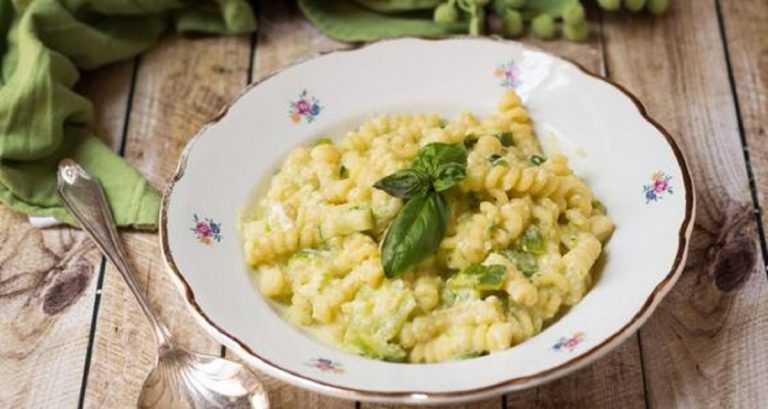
48, 283
180, 84
47, 288
705, 346
746, 30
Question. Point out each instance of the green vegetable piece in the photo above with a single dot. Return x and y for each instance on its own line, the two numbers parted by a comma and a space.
658, 6
525, 262
533, 241
599, 207
506, 138
404, 183
634, 5
479, 277
610, 5
577, 31
323, 141
377, 318
537, 160
346, 20
445, 163
573, 13
446, 13
343, 172
512, 23
415, 233
543, 26
395, 6
500, 6
497, 160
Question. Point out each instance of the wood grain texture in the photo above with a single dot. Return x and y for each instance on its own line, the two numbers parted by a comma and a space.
705, 345
48, 282
47, 287
180, 84
746, 31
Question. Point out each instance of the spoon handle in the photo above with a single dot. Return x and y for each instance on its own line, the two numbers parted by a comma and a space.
83, 196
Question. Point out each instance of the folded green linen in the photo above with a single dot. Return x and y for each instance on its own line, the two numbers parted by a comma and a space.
43, 43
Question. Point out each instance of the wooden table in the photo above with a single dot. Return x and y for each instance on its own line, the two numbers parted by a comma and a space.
72, 335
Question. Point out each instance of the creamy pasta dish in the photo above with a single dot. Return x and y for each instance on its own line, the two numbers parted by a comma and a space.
418, 239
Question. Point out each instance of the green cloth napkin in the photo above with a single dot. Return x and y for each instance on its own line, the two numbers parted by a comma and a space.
43, 43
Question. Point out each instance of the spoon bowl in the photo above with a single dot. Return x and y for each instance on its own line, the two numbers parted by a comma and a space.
184, 379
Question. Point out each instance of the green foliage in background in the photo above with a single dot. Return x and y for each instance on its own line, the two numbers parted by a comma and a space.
369, 20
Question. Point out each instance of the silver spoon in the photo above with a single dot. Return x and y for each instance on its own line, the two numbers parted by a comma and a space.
180, 379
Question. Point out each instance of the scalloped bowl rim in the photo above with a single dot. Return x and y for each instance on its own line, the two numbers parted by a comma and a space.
416, 396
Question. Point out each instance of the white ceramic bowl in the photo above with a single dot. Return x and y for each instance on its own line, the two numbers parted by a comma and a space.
632, 164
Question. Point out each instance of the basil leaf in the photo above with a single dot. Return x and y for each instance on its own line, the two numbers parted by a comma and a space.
449, 175
415, 233
435, 155
404, 183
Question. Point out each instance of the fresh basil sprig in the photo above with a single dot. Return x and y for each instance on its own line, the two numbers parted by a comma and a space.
415, 233
405, 183
419, 227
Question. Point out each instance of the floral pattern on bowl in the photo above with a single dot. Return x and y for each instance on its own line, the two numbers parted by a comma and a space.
326, 365
305, 108
570, 343
658, 188
206, 230
509, 74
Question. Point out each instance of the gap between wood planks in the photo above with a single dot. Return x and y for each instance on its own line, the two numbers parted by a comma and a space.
103, 264
758, 211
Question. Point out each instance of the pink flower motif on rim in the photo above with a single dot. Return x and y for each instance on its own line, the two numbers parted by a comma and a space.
658, 188
206, 230
326, 365
509, 74
570, 343
306, 108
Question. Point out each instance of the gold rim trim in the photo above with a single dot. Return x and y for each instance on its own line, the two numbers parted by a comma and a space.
661, 289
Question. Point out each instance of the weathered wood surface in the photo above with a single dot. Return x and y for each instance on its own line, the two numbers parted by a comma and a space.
745, 26
704, 347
